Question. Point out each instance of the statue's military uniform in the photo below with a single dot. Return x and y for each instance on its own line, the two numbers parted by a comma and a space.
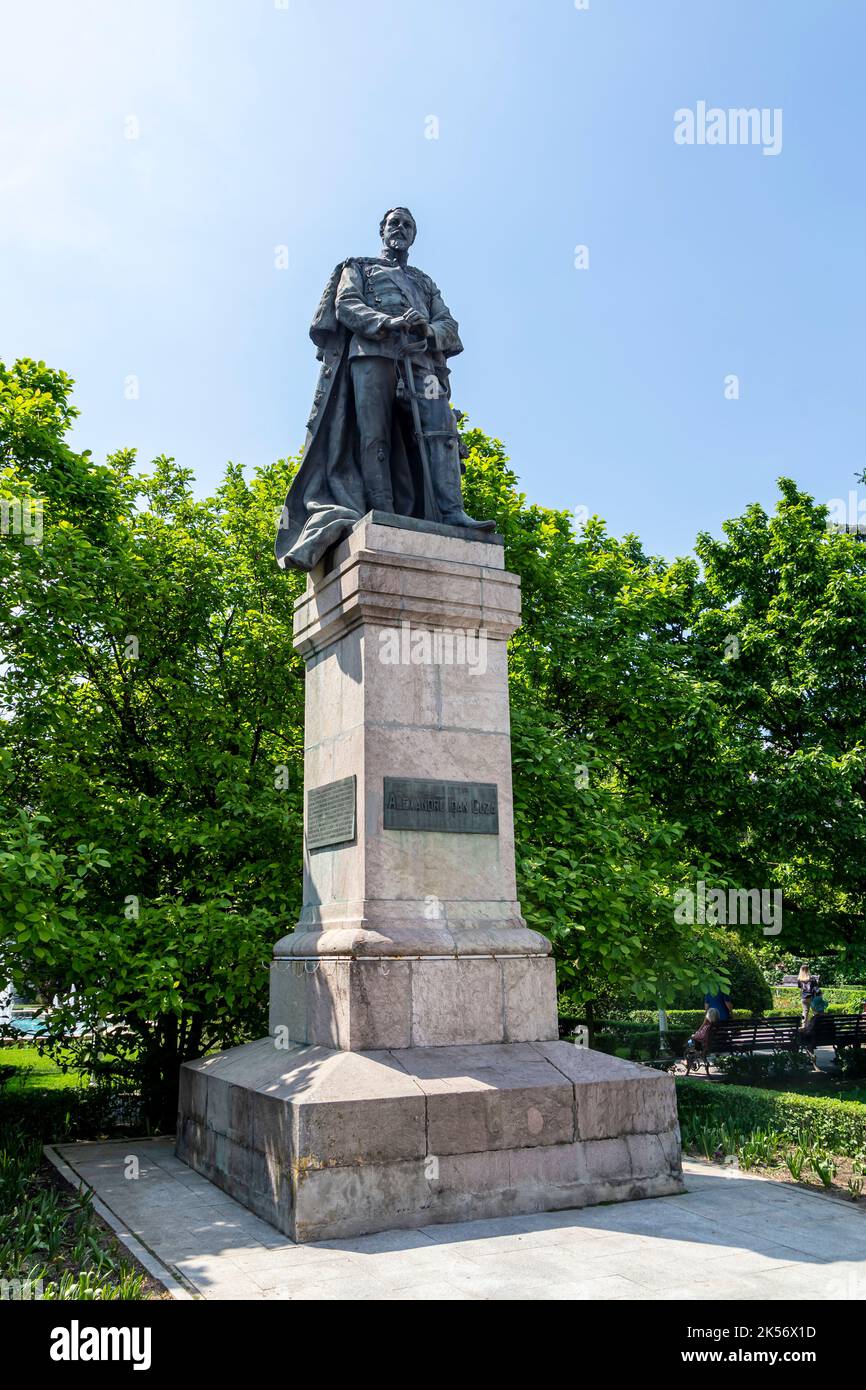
361, 450
371, 291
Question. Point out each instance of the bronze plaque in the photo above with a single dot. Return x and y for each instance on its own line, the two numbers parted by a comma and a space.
460, 808
331, 813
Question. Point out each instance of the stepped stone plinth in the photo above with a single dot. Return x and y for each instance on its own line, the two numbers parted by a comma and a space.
413, 1071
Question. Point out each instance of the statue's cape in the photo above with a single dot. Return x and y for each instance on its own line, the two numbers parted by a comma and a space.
327, 495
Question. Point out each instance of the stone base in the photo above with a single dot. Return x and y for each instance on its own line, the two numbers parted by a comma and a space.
329, 1144
365, 1004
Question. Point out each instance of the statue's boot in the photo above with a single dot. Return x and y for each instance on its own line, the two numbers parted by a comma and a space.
444, 454
376, 470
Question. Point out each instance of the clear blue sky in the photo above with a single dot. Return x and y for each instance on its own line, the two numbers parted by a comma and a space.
262, 126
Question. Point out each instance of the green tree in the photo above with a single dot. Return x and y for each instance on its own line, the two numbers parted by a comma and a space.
602, 698
150, 744
151, 733
720, 716
780, 639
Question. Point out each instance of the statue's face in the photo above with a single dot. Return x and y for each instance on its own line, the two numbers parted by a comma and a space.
399, 231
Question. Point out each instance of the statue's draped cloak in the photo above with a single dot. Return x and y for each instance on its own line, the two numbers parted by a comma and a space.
327, 494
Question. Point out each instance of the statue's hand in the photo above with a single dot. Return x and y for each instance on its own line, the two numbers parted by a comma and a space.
413, 318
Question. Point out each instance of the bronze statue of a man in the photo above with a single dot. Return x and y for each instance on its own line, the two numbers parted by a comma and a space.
382, 435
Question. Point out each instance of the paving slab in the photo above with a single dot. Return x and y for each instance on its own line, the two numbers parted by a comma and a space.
732, 1237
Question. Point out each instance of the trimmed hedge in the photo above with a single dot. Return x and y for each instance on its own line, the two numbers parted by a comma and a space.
839, 1125
638, 1044
637, 1038
846, 1001
677, 1019
55, 1116
643, 1020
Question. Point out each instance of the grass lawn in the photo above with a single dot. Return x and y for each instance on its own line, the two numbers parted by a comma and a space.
31, 1070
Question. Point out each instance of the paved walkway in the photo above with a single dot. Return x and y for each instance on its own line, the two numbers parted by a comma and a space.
733, 1237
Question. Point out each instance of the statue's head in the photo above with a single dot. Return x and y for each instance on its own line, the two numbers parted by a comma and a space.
397, 229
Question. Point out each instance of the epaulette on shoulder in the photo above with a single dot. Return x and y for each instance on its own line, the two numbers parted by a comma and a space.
421, 275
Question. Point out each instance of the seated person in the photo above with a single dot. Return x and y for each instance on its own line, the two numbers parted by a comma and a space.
809, 1028
698, 1041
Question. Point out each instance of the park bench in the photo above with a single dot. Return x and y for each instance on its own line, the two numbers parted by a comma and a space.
746, 1035
779, 1034
838, 1030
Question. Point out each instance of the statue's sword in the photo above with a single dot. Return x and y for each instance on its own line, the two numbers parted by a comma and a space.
431, 508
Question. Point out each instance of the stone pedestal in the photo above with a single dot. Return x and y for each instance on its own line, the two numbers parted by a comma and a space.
410, 937
413, 1072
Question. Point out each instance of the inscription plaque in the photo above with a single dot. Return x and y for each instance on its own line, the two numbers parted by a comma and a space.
331, 813
461, 808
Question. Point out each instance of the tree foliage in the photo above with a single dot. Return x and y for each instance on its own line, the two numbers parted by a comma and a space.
785, 777
601, 699
151, 745
672, 721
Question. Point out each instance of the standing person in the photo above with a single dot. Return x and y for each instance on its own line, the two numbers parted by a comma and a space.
721, 1003
808, 984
